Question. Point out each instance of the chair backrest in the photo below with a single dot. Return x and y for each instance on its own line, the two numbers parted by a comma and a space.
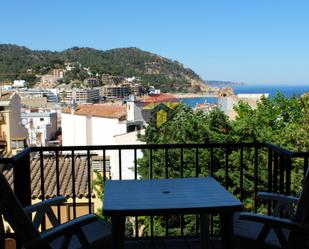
298, 239
14, 214
302, 209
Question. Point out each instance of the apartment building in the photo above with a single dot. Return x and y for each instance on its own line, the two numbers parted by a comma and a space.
13, 134
50, 94
79, 95
115, 91
41, 126
99, 124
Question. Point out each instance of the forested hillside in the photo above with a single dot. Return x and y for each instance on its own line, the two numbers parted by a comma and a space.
150, 69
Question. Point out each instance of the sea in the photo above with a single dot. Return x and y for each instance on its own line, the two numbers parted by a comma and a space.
272, 90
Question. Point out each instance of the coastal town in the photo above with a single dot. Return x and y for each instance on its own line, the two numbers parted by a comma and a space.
51, 114
154, 124
116, 113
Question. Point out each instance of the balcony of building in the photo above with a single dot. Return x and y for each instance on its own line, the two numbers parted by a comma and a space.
38, 173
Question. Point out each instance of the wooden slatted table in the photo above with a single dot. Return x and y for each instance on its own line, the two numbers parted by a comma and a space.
169, 196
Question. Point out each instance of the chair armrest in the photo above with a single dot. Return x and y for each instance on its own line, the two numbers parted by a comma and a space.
49, 202
65, 230
277, 197
69, 227
274, 221
44, 208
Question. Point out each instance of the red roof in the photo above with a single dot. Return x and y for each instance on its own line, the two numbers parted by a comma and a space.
100, 110
164, 97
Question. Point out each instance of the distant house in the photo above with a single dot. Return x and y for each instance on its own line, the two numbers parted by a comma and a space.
227, 103
95, 124
92, 82
59, 73
19, 83
99, 124
13, 134
41, 126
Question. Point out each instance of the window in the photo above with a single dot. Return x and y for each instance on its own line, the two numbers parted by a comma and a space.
41, 119
18, 144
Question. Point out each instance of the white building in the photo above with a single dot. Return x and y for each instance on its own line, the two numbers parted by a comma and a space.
226, 104
127, 156
98, 124
19, 83
41, 126
12, 134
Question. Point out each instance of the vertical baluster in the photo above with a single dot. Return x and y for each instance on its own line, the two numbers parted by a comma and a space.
166, 162
197, 225
211, 161
281, 173
305, 164
58, 184
135, 164
181, 175
120, 166
270, 177
288, 176
181, 162
256, 162
241, 174
211, 174
226, 167
166, 176
276, 166
151, 176
73, 184
196, 162
135, 178
89, 171
104, 165
43, 225
150, 164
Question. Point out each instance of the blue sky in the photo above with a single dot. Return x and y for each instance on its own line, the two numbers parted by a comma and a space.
253, 41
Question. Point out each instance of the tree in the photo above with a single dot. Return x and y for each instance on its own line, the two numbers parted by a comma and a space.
282, 121
184, 126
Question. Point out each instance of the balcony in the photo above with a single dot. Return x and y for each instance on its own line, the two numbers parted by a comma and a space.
242, 168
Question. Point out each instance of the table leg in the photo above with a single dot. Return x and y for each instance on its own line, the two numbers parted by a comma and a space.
226, 220
204, 231
118, 227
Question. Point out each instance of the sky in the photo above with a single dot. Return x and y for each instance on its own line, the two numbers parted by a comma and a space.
251, 41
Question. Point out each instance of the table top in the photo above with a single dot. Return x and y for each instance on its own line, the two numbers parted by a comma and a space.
167, 196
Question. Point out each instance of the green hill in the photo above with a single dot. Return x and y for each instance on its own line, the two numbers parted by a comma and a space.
149, 68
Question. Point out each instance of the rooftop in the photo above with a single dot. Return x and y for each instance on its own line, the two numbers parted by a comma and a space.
50, 181
100, 110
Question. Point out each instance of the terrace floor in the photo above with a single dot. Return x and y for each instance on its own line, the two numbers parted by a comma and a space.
169, 244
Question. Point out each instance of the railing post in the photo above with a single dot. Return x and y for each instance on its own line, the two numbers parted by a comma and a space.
22, 183
22, 180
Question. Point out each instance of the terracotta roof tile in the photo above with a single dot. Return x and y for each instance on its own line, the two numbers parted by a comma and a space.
50, 182
100, 110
